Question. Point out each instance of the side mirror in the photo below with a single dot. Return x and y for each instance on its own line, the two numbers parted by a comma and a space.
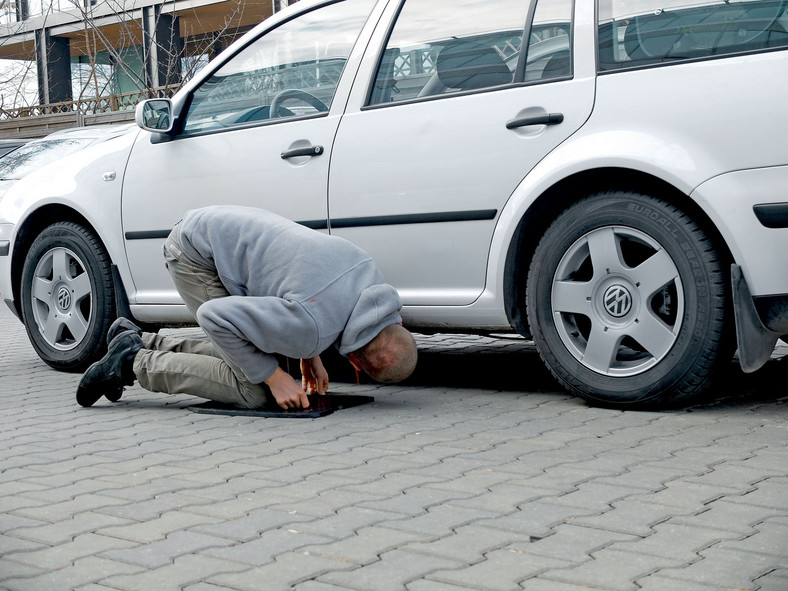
155, 115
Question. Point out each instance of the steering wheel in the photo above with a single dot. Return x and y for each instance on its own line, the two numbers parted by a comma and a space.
295, 93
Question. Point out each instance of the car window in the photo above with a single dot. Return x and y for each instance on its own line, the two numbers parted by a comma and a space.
646, 32
32, 156
436, 49
549, 49
292, 71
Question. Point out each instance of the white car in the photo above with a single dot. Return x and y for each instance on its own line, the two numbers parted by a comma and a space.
607, 177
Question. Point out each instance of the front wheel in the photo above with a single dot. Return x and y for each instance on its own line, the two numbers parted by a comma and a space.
627, 302
67, 296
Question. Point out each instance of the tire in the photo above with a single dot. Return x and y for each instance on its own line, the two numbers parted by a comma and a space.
68, 297
628, 303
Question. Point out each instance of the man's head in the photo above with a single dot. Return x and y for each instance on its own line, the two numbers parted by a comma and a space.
388, 358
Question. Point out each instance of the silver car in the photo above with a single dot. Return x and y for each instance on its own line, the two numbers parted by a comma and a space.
607, 177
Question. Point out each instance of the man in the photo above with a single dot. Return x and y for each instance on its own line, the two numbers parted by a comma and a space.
259, 285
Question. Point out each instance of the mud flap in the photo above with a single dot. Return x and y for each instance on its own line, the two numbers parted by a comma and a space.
756, 342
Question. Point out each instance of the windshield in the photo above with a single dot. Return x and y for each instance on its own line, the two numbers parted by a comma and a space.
34, 155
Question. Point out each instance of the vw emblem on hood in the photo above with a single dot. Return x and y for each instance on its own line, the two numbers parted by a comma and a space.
617, 301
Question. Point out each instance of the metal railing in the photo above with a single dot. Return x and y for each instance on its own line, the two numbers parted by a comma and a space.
89, 106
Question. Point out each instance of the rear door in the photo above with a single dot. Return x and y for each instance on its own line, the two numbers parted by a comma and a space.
441, 127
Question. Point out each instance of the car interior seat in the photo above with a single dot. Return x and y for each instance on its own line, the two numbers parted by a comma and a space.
557, 66
470, 65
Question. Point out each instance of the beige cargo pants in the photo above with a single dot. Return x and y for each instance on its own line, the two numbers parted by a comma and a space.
193, 366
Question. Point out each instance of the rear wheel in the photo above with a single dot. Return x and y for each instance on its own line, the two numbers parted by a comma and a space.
67, 296
626, 300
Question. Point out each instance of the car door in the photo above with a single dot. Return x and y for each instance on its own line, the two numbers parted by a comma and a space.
466, 97
257, 131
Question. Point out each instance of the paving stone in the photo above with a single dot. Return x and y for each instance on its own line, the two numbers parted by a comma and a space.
595, 495
64, 531
563, 479
502, 570
346, 522
286, 572
267, 546
11, 569
163, 552
393, 571
570, 542
645, 476
202, 587
58, 511
366, 545
674, 541
724, 569
536, 519
730, 516
440, 520
768, 493
325, 504
156, 529
505, 498
545, 584
11, 503
612, 569
659, 582
771, 538
185, 571
734, 475
776, 580
468, 543
686, 496
62, 555
80, 573
631, 517
425, 585
412, 501
249, 527
152, 508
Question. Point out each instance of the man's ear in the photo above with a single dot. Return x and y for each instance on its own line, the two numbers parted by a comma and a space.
353, 358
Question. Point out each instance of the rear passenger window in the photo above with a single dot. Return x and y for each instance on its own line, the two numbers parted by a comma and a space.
646, 32
434, 50
549, 47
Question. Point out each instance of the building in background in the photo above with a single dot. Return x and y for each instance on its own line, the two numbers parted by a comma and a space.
98, 55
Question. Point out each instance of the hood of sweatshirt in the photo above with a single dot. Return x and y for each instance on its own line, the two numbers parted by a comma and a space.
377, 307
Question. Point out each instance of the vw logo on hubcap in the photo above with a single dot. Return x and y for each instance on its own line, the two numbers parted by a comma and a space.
63, 298
617, 301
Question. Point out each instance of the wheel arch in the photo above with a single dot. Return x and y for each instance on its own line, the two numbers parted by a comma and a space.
562, 194
30, 228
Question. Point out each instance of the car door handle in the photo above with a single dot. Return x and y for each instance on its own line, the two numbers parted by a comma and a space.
308, 151
546, 119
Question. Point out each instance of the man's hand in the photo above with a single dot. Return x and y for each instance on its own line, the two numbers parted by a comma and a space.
314, 376
286, 390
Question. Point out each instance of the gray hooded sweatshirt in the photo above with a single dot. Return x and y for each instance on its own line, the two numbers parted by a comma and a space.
293, 291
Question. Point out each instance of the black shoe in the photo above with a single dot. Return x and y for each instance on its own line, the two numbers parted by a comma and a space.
121, 325
114, 396
111, 372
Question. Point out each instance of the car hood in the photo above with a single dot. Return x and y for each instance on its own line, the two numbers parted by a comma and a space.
60, 179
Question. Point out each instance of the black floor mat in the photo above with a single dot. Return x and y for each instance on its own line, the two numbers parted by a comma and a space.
319, 406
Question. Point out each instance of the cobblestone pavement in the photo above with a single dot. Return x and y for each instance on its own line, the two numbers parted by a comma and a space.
479, 474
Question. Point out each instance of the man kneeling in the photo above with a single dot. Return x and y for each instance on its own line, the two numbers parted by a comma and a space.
259, 285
